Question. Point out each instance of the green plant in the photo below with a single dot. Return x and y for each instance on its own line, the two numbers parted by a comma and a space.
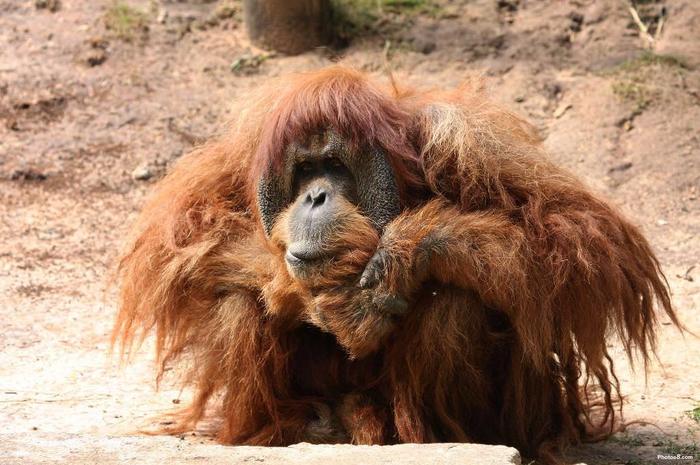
634, 92
628, 440
638, 462
352, 18
648, 58
404, 4
672, 447
124, 21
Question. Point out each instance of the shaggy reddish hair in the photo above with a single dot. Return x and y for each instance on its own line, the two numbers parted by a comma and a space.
359, 110
505, 337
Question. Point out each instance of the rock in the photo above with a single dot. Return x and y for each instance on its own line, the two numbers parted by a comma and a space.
576, 20
28, 174
226, 10
162, 16
141, 173
96, 52
95, 57
621, 167
508, 5
449, 11
248, 63
12, 124
561, 109
51, 5
45, 448
424, 45
686, 276
98, 42
595, 13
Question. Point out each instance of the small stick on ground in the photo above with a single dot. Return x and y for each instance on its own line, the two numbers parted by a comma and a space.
643, 29
660, 27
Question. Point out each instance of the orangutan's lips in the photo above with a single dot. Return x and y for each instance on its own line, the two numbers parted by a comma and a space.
297, 256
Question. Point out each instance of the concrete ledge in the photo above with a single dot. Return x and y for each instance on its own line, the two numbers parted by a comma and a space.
45, 448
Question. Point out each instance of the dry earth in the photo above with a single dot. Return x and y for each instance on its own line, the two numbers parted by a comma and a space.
87, 112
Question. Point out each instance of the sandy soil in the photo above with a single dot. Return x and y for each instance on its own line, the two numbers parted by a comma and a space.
83, 113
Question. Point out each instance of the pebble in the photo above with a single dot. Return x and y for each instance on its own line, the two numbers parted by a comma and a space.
162, 16
141, 173
561, 109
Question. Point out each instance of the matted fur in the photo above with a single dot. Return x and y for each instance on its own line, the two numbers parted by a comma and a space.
515, 274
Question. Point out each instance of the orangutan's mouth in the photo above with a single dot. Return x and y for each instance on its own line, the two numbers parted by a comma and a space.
301, 255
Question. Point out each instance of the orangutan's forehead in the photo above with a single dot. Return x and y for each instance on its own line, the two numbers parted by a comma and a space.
326, 142
317, 142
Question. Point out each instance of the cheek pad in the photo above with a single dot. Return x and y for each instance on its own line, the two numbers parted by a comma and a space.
376, 188
271, 201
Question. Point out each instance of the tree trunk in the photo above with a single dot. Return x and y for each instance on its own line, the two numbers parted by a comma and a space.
288, 26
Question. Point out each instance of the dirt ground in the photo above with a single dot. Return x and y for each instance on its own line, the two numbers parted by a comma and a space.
95, 105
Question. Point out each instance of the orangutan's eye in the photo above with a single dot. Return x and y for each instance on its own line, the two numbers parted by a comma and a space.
334, 163
305, 167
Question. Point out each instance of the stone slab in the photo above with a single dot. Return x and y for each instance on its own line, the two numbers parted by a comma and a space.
50, 449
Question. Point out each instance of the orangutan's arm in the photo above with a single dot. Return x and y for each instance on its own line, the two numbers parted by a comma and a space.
482, 251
